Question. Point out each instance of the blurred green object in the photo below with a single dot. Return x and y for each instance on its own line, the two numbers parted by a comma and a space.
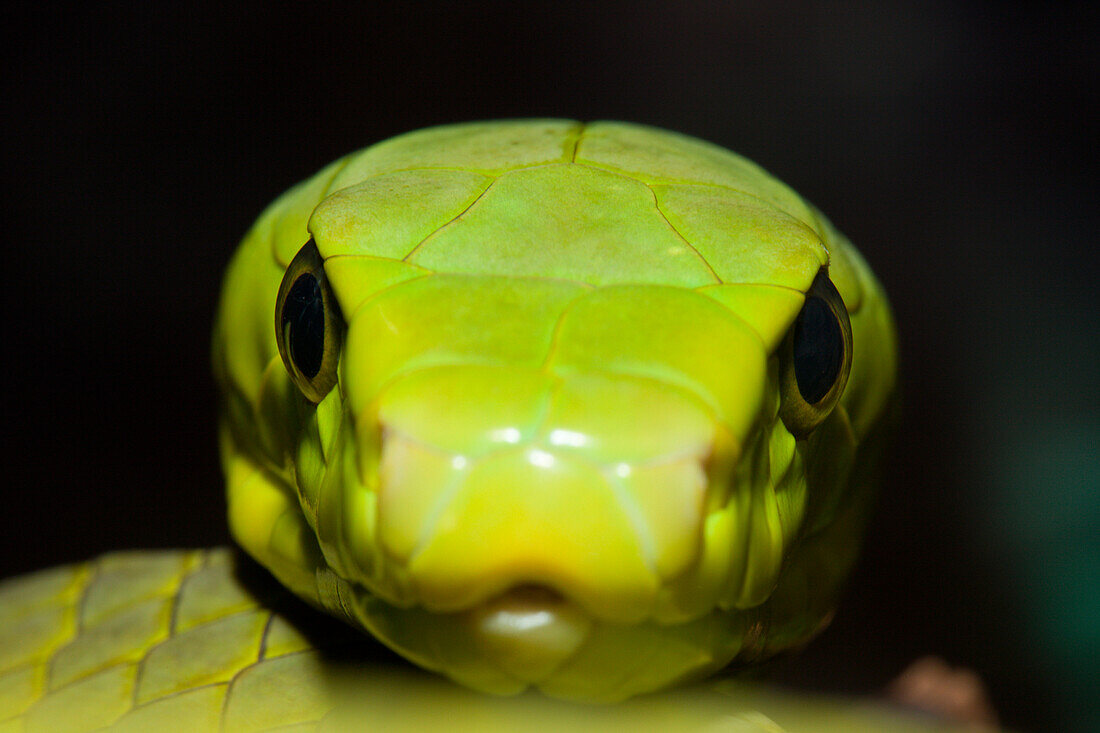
1048, 489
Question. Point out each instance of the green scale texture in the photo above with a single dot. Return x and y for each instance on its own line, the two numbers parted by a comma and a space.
135, 640
617, 206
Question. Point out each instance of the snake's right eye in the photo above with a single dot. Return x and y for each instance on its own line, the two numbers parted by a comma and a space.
815, 358
308, 325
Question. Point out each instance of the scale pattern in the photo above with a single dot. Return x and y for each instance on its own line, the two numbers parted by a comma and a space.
137, 638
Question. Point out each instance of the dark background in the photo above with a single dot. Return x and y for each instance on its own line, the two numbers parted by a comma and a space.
956, 145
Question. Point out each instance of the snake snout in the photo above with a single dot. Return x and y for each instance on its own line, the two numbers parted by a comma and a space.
592, 486
526, 522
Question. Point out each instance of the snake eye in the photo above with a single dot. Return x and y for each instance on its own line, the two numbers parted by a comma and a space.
815, 358
308, 324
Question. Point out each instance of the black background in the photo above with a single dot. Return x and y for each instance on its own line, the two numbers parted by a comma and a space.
954, 143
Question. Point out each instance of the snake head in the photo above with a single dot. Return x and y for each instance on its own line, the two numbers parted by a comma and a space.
536, 411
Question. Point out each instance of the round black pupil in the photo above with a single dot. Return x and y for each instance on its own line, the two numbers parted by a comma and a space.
304, 325
818, 350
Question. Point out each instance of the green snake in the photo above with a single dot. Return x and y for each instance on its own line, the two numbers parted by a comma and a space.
590, 409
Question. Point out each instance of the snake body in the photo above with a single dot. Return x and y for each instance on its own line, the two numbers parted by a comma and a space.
587, 408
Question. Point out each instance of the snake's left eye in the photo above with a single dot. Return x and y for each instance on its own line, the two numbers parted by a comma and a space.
308, 325
815, 358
